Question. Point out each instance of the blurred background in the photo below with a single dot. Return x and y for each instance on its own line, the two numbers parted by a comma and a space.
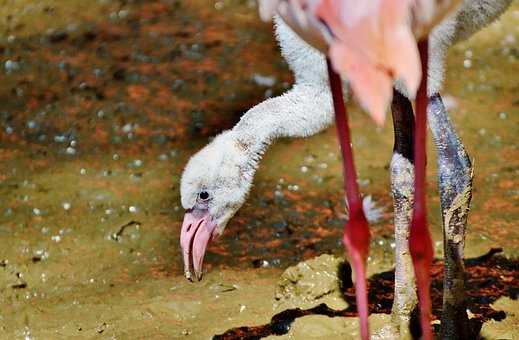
101, 105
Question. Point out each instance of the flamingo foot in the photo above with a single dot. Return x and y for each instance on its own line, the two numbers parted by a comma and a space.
356, 240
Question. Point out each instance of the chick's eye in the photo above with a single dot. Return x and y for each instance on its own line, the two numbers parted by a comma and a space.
203, 195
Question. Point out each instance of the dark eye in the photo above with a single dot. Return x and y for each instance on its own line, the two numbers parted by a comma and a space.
203, 195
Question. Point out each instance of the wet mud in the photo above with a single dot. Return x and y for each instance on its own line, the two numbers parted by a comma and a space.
488, 278
102, 104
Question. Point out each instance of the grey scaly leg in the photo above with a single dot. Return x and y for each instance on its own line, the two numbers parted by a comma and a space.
402, 177
455, 181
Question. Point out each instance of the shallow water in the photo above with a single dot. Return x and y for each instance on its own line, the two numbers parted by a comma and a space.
101, 107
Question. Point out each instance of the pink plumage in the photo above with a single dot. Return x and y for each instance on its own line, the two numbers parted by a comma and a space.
371, 43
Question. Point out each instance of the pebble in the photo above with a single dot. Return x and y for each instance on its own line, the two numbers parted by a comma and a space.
32, 124
127, 128
323, 165
60, 138
294, 187
218, 5
262, 80
11, 66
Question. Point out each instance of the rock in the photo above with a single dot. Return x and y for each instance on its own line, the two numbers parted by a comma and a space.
311, 282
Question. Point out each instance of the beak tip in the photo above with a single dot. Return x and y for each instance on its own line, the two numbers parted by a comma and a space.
198, 229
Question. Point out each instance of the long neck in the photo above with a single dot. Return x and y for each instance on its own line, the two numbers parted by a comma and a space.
301, 112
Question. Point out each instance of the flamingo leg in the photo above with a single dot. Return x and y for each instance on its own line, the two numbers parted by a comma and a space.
455, 182
356, 232
420, 244
402, 180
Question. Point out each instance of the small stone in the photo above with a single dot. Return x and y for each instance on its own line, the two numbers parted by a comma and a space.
262, 80
11, 66
127, 128
32, 124
132, 209
66, 205
60, 138
123, 13
218, 5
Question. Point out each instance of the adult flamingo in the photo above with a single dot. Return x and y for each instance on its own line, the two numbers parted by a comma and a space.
217, 179
372, 44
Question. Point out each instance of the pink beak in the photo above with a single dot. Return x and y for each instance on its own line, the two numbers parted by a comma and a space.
198, 228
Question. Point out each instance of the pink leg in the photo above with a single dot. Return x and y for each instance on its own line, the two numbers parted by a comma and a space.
420, 244
356, 231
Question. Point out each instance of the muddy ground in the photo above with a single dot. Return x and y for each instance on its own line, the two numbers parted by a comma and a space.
103, 102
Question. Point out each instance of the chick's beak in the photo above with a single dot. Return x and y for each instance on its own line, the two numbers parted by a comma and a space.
198, 229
